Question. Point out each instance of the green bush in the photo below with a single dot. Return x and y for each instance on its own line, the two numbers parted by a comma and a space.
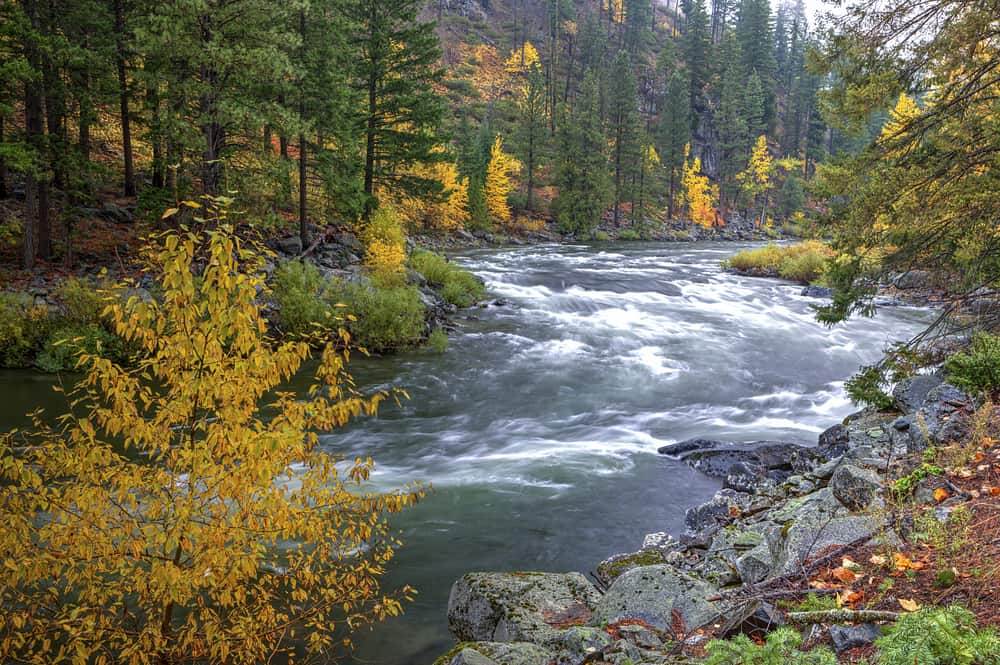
978, 368
629, 235
64, 345
23, 328
458, 286
780, 648
298, 290
437, 341
82, 302
384, 319
803, 268
938, 636
600, 236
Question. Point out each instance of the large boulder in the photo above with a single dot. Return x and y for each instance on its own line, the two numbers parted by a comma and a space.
658, 596
943, 417
772, 459
910, 393
720, 509
496, 653
810, 538
519, 607
833, 442
913, 279
855, 487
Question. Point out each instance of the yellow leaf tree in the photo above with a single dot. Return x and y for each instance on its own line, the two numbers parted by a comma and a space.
522, 60
755, 181
698, 193
385, 247
164, 519
498, 183
447, 213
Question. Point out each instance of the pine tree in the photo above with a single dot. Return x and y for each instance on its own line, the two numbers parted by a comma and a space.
582, 167
696, 45
529, 91
638, 16
397, 66
730, 121
755, 33
624, 129
674, 133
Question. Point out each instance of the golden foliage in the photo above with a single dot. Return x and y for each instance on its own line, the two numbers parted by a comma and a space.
699, 195
164, 520
385, 248
498, 184
756, 179
446, 215
490, 77
522, 60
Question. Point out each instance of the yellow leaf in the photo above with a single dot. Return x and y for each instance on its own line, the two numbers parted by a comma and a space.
909, 605
940, 494
169, 212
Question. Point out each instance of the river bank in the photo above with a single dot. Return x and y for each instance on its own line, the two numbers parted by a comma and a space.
787, 515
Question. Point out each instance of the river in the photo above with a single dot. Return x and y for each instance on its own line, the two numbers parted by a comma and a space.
538, 428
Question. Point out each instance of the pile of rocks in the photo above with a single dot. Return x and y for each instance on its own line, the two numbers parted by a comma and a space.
782, 506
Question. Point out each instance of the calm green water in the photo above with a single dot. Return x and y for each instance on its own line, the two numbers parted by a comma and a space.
539, 427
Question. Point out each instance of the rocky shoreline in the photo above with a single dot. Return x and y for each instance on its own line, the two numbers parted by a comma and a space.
784, 510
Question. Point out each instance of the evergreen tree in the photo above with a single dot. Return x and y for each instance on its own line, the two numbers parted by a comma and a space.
755, 33
623, 103
674, 133
696, 47
582, 168
731, 122
638, 17
397, 66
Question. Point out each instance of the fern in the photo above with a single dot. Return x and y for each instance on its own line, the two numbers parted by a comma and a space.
780, 648
938, 636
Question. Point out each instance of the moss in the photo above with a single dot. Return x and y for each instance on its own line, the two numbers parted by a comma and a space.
620, 565
446, 658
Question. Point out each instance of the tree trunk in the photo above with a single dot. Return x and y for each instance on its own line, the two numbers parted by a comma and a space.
303, 213
212, 131
3, 165
370, 140
35, 133
120, 54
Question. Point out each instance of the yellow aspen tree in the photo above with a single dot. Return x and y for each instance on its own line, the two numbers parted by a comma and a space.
755, 181
498, 183
385, 247
698, 193
447, 213
165, 518
522, 60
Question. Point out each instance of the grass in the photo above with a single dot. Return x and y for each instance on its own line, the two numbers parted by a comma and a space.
803, 262
458, 286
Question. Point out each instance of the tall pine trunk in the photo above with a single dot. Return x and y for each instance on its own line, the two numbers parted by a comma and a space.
303, 213
3, 165
129, 186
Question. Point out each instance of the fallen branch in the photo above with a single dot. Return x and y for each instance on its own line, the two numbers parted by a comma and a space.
755, 590
840, 616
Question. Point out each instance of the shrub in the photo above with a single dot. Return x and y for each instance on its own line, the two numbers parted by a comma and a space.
23, 328
191, 524
938, 636
65, 345
780, 648
82, 302
437, 341
458, 286
384, 318
297, 289
629, 235
802, 262
385, 248
978, 368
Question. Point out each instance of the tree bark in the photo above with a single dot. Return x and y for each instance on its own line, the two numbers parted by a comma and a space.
303, 213
129, 184
212, 131
3, 166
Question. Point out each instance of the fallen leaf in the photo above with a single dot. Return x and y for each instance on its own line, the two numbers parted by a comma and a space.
845, 575
995, 491
979, 457
909, 605
940, 494
902, 562
878, 560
